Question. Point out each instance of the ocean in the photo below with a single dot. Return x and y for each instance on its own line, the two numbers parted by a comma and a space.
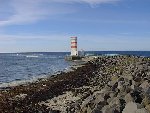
30, 66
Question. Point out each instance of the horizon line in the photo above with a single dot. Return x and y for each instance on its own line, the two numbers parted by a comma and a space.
85, 51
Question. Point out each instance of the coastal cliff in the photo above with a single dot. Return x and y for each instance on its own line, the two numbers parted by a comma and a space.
107, 84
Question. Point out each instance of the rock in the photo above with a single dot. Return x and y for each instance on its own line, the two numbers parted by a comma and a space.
120, 86
99, 93
87, 101
115, 86
60, 102
140, 106
20, 97
107, 109
129, 77
130, 107
98, 98
100, 105
148, 91
122, 104
83, 110
74, 107
128, 98
133, 85
148, 108
137, 96
96, 111
114, 79
111, 94
143, 110
121, 79
128, 89
102, 91
115, 101
138, 80
121, 94
146, 101
106, 96
95, 88
53, 111
109, 100
145, 85
89, 110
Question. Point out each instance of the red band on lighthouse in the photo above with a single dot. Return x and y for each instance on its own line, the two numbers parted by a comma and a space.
73, 46
73, 42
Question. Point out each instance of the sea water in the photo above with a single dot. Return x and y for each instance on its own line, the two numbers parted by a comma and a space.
29, 66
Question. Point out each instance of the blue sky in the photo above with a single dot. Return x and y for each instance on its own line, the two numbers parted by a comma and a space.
47, 25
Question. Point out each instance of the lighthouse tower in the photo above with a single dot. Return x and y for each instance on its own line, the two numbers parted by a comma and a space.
74, 51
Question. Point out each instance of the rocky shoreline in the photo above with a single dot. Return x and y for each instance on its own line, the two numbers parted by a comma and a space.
107, 84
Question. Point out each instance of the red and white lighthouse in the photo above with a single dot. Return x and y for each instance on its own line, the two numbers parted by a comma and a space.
74, 51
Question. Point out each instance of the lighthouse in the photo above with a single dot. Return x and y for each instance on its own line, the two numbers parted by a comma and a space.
74, 50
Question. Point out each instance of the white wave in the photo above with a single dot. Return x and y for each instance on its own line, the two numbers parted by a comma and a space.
32, 56
111, 54
21, 82
15, 83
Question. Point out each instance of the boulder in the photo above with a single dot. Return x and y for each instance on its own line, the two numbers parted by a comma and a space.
120, 86
107, 109
137, 96
96, 111
145, 85
87, 101
130, 107
114, 78
89, 110
114, 86
146, 101
111, 94
148, 91
133, 86
129, 77
98, 98
121, 79
128, 98
115, 101
148, 108
143, 110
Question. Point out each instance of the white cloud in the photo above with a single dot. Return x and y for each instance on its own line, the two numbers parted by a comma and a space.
29, 11
87, 1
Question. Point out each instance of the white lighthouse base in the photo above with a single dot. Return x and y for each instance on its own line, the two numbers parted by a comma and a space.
73, 58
